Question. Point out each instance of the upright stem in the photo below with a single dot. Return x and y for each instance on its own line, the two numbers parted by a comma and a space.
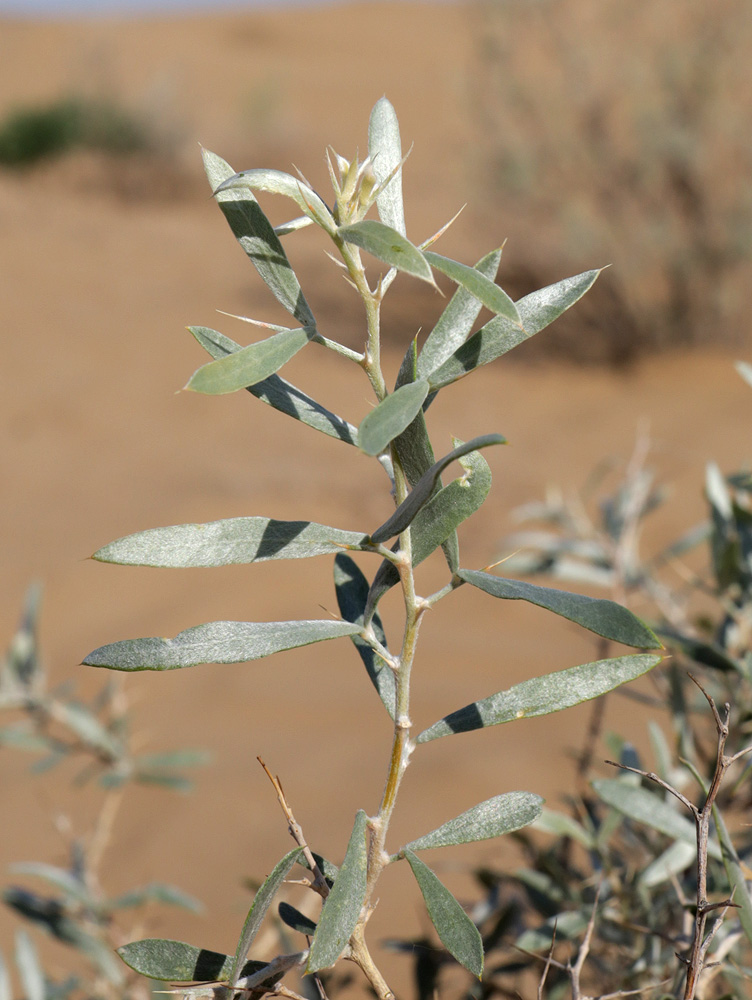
402, 745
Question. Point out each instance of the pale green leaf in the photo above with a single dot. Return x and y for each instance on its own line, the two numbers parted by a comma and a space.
605, 618
342, 906
278, 182
278, 393
22, 738
473, 281
256, 236
60, 878
216, 642
177, 962
352, 596
174, 758
388, 245
227, 542
562, 825
87, 728
456, 321
543, 695
157, 892
457, 932
492, 818
30, 968
385, 151
500, 335
540, 308
652, 809
261, 903
392, 415
497, 337
423, 489
675, 859
250, 365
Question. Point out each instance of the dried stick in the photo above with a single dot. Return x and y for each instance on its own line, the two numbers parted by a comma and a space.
319, 884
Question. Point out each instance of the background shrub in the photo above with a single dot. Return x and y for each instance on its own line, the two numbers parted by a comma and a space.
638, 113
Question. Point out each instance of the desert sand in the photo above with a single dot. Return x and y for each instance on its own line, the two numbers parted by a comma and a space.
101, 270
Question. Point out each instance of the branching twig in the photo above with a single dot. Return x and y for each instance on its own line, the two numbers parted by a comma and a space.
319, 884
702, 938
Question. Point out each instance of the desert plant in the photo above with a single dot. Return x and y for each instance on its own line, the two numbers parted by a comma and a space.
426, 518
32, 133
59, 729
621, 879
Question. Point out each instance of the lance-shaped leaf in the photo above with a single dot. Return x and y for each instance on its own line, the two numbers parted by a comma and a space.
415, 452
261, 903
408, 509
216, 642
492, 818
543, 695
342, 906
388, 245
385, 151
390, 418
158, 892
249, 365
453, 504
497, 337
66, 881
278, 393
456, 321
352, 595
436, 523
500, 335
413, 445
540, 308
178, 962
652, 809
228, 542
605, 618
256, 236
458, 933
278, 182
487, 292
675, 859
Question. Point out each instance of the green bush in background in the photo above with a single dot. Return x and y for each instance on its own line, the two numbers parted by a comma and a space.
38, 132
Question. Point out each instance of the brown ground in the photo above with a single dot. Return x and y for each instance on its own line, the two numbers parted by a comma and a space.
101, 269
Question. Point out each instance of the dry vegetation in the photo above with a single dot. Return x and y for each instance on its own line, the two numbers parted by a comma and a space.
624, 130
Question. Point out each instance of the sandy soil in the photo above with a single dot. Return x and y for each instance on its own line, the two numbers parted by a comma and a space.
99, 277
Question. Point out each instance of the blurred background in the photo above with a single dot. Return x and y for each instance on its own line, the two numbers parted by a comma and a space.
583, 133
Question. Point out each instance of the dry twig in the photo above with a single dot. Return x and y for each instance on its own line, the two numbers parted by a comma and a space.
702, 938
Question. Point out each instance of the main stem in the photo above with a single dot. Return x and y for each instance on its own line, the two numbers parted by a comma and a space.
402, 745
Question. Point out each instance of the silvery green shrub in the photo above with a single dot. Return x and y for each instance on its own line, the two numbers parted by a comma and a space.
365, 221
